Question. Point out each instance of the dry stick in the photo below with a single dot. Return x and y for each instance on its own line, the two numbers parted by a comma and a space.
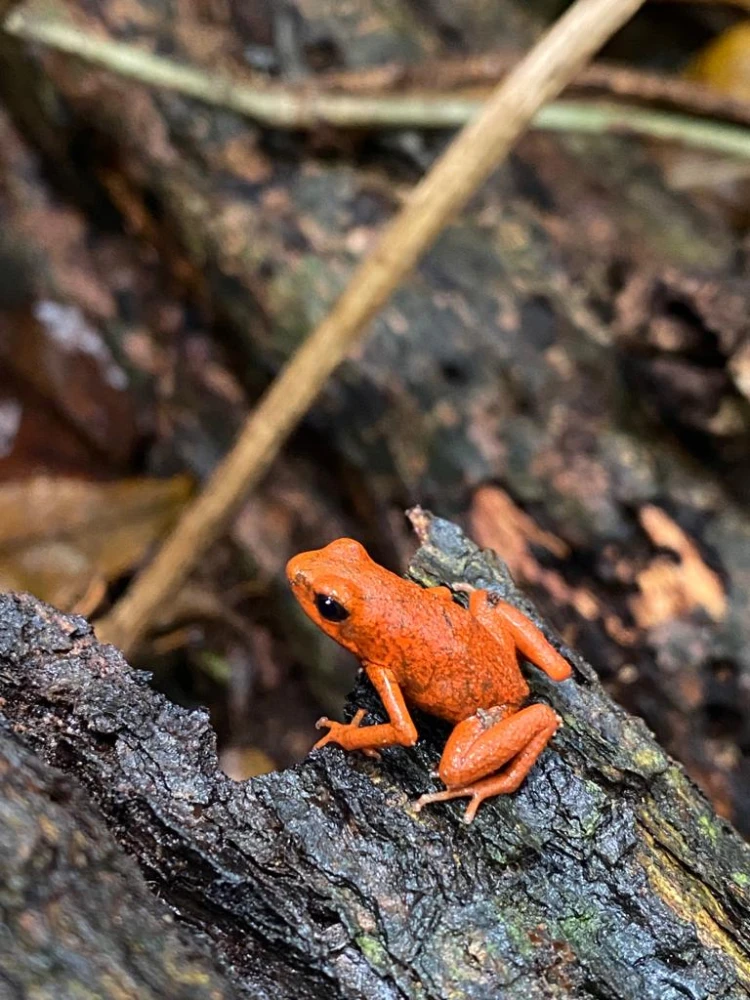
467, 162
308, 107
362, 102
274, 106
285, 107
479, 71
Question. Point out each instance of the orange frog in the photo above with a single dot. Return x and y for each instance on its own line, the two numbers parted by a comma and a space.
419, 646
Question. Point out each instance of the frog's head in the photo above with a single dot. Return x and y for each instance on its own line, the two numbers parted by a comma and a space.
331, 584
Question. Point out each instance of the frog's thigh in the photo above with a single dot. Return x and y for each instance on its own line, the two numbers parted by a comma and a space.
482, 744
441, 593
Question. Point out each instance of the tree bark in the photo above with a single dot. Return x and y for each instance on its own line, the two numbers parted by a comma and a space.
79, 919
607, 875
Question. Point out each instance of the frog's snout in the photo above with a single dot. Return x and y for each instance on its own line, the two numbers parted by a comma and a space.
296, 573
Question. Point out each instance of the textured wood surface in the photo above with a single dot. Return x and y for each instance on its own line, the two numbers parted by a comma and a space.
607, 875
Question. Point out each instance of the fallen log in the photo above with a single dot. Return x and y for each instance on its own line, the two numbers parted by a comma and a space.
78, 917
606, 875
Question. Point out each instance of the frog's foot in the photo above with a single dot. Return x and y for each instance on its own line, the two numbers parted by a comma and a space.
338, 732
481, 745
478, 792
445, 796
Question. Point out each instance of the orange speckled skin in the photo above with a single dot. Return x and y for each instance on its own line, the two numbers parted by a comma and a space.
421, 647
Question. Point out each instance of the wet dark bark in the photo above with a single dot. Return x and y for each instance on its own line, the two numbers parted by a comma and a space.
606, 876
78, 918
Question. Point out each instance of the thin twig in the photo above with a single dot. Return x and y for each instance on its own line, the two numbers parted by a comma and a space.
477, 72
285, 107
275, 106
597, 119
467, 162
308, 104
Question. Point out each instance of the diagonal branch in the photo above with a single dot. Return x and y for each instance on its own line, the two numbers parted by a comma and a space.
464, 166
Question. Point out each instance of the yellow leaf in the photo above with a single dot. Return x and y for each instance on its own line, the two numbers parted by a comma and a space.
725, 63
58, 535
240, 763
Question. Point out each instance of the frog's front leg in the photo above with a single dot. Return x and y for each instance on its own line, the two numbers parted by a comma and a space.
497, 616
399, 730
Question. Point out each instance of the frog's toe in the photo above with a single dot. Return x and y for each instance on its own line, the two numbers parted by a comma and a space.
360, 714
428, 797
337, 733
471, 809
324, 723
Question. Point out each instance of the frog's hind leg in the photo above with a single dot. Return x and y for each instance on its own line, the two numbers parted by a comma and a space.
487, 741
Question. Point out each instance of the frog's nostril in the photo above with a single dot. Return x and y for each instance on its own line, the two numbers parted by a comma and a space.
293, 572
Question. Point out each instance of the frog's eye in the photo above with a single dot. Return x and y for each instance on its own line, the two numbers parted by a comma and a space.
329, 609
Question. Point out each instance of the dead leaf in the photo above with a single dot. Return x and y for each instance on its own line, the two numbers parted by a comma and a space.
739, 369
55, 349
503, 526
240, 763
725, 62
497, 523
59, 536
33, 436
674, 589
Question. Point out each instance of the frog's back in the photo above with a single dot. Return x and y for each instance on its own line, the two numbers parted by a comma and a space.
450, 665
